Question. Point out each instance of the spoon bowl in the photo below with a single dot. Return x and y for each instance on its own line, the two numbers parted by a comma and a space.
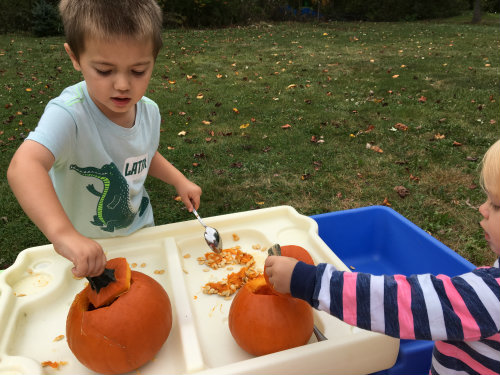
211, 235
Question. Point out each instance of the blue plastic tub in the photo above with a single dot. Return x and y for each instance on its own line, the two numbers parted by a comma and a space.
379, 240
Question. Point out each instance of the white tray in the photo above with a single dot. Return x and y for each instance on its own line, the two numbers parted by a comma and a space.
36, 293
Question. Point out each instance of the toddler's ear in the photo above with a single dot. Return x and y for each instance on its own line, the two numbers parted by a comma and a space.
72, 56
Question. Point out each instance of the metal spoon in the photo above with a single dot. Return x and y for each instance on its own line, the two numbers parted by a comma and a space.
211, 235
276, 250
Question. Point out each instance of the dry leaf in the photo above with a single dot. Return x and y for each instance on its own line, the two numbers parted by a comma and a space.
286, 126
401, 126
402, 191
369, 146
439, 136
244, 126
182, 133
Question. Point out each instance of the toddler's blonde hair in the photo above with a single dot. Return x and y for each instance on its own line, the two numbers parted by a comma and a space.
490, 171
104, 19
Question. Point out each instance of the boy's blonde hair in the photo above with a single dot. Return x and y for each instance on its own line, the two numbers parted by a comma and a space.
490, 171
103, 19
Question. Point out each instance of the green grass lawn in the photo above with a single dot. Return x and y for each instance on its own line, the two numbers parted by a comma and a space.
293, 114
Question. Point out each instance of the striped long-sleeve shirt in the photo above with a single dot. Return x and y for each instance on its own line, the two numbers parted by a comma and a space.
461, 314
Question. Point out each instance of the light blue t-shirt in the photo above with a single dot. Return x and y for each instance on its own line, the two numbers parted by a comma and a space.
100, 167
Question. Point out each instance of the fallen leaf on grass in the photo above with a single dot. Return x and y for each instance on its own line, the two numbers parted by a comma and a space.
315, 139
422, 99
402, 191
386, 202
369, 146
286, 126
414, 178
244, 126
439, 136
401, 126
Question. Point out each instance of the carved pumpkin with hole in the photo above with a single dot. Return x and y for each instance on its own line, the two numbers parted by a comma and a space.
128, 328
263, 321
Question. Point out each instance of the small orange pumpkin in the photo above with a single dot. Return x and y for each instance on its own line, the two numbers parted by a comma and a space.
263, 322
292, 251
127, 333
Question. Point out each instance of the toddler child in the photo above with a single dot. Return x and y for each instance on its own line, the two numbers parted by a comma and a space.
462, 313
80, 174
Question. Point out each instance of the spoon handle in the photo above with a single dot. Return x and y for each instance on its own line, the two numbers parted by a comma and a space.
198, 217
319, 335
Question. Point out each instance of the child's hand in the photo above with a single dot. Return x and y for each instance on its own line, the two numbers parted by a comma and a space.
86, 254
190, 194
279, 270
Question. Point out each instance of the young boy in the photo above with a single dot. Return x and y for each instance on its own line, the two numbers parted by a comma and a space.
462, 313
80, 174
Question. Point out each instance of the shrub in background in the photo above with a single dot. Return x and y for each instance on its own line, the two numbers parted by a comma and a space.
15, 16
46, 20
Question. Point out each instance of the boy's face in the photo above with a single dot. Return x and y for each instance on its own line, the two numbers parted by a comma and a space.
117, 73
491, 222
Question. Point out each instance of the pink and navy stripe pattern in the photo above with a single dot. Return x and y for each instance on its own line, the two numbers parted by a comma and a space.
461, 313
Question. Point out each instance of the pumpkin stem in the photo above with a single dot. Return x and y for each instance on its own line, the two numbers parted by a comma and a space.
101, 281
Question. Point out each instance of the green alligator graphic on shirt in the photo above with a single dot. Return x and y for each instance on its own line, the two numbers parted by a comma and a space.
113, 208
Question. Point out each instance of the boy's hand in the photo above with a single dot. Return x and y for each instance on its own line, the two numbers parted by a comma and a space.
86, 254
279, 269
190, 194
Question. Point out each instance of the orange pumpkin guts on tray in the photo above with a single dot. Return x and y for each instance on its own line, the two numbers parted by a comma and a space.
263, 321
118, 327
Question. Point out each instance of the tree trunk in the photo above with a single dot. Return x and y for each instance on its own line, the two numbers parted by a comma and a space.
476, 18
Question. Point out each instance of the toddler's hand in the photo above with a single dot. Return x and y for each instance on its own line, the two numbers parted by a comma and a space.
279, 271
86, 254
190, 194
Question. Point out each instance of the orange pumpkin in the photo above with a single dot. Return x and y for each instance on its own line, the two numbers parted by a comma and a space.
123, 335
292, 251
263, 322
